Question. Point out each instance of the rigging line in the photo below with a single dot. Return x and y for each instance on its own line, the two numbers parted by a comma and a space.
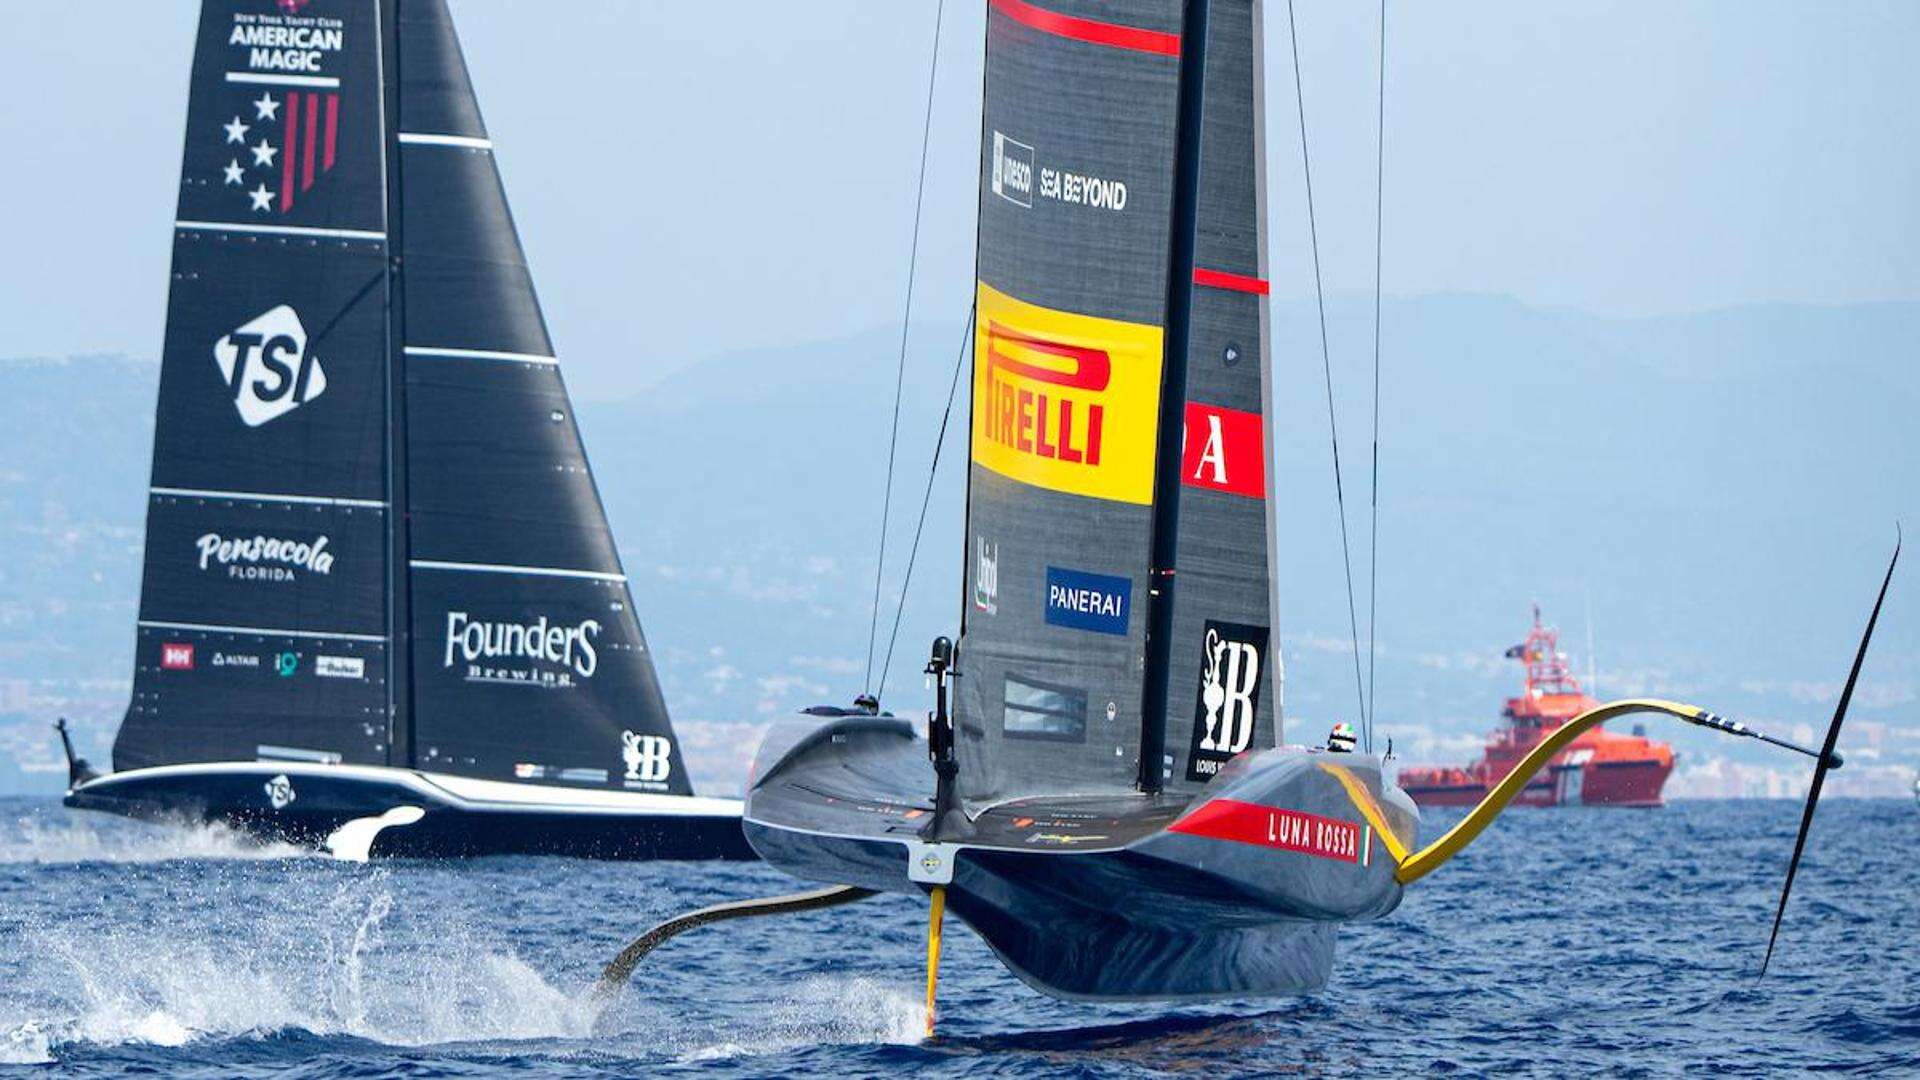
906, 321
1326, 364
933, 470
1373, 514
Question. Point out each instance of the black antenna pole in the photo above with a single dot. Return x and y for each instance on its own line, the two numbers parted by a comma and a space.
399, 658
1828, 759
1173, 399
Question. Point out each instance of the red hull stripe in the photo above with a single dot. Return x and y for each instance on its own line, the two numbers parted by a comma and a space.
1220, 279
1096, 33
1273, 827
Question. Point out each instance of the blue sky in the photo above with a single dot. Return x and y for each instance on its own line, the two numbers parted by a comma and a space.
689, 184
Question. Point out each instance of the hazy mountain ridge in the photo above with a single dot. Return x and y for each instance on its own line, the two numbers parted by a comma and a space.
1721, 485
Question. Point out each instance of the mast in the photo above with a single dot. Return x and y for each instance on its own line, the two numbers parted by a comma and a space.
399, 616
1173, 382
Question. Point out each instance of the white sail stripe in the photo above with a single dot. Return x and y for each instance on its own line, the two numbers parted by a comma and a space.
280, 230
258, 496
425, 138
327, 82
480, 354
501, 568
260, 631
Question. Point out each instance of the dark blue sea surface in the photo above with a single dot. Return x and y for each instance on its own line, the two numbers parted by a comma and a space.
1565, 942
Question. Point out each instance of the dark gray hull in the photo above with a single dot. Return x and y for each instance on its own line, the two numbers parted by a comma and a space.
1234, 893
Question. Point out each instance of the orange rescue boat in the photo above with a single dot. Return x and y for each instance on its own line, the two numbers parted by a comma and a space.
1600, 768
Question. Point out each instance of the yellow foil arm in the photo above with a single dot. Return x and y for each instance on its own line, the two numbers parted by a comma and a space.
1429, 858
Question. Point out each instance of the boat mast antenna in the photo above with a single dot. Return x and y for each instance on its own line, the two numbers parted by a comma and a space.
900, 371
1373, 514
1326, 365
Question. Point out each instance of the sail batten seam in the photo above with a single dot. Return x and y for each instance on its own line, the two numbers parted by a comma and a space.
480, 354
323, 82
428, 138
262, 631
261, 496
502, 568
281, 230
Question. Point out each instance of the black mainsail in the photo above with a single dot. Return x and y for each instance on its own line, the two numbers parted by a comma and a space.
374, 538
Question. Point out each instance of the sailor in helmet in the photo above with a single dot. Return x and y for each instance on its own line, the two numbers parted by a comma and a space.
1340, 740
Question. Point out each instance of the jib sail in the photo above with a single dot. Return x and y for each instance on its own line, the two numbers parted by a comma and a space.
528, 659
311, 382
1079, 208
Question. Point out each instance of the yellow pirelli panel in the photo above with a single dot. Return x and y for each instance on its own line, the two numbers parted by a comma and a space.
1065, 402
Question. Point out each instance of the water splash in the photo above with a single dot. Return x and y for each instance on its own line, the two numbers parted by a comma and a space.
834, 1010
311, 960
24, 1043
72, 838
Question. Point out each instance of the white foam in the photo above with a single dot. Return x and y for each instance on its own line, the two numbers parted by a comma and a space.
826, 1009
85, 838
326, 968
24, 1043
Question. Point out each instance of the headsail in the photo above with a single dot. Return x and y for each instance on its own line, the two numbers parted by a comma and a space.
309, 382
1077, 217
528, 659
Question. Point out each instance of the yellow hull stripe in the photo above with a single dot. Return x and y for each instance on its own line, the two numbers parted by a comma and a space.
1369, 808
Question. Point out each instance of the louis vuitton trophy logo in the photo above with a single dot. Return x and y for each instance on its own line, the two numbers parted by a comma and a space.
1228, 708
648, 757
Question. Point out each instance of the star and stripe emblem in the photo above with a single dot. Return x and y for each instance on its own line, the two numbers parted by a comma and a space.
278, 146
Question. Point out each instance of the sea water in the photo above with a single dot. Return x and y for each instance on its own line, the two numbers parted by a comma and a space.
1565, 942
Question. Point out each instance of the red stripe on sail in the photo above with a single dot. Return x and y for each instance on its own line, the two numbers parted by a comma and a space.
1220, 279
333, 126
1111, 35
306, 148
287, 147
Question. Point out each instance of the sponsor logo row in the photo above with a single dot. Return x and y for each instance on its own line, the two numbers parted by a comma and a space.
1232, 663
1070, 403
1075, 599
1018, 176
187, 656
647, 761
541, 651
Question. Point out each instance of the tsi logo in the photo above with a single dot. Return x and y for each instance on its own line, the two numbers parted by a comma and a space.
649, 757
1012, 170
280, 791
1231, 656
267, 367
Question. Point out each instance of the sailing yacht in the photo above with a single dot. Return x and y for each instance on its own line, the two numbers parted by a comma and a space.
1108, 805
382, 610
1105, 795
